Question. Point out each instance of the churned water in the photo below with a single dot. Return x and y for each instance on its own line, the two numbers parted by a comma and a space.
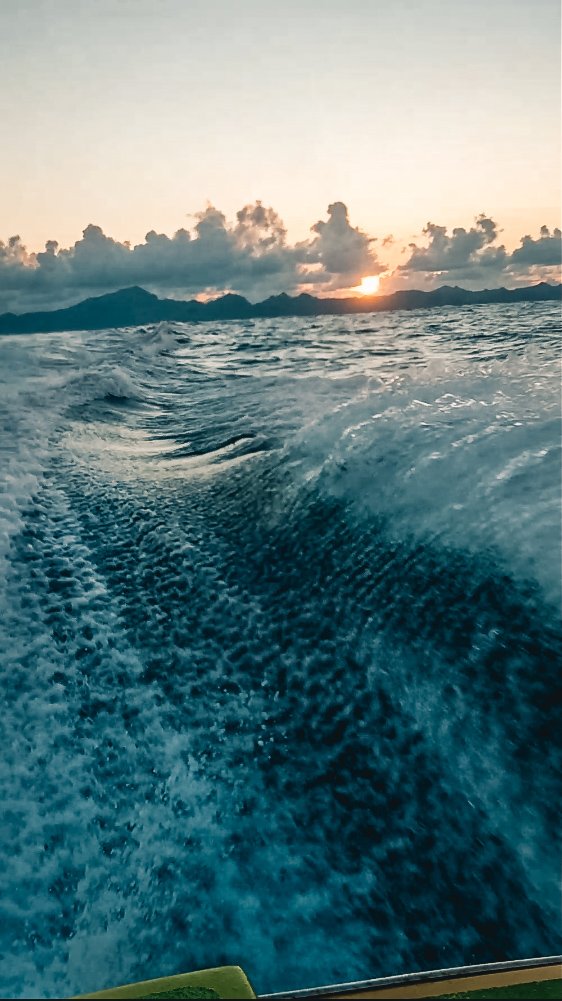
280, 648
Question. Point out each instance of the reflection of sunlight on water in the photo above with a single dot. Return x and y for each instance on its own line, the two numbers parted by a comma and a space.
276, 608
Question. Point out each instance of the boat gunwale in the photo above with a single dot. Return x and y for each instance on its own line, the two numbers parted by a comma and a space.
421, 977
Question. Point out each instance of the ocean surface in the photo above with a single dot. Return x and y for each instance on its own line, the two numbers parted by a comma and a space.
280, 648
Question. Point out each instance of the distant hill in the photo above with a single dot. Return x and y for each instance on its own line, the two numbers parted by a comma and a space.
135, 306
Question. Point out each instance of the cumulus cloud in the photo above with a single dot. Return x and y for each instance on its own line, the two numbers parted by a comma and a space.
546, 251
344, 252
13, 254
260, 228
475, 257
253, 256
463, 250
250, 256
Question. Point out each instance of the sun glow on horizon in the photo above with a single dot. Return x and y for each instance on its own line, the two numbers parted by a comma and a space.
369, 285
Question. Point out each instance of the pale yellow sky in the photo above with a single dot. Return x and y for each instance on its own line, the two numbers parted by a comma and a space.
132, 114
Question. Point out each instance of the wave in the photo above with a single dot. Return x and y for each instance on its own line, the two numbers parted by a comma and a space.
290, 714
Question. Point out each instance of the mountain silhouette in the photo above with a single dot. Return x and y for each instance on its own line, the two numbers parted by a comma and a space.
134, 306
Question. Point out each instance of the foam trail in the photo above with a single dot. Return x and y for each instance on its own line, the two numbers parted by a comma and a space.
279, 648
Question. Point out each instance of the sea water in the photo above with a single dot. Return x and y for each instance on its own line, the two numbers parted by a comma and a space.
280, 648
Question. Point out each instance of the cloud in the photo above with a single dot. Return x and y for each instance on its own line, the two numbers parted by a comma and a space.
474, 256
260, 228
250, 256
13, 255
253, 256
464, 250
544, 252
344, 252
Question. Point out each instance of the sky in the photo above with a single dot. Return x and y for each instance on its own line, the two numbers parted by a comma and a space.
294, 145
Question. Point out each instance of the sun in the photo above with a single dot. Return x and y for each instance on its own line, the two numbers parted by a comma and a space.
369, 285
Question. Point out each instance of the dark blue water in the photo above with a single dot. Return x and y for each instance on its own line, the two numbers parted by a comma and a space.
280, 648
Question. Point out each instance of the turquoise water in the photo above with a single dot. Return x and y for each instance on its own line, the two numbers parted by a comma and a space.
280, 648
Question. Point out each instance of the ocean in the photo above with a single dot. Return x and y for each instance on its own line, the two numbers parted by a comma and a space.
280, 648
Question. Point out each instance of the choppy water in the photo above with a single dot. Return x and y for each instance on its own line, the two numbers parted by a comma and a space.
280, 646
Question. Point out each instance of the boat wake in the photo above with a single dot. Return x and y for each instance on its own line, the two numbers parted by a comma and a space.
280, 649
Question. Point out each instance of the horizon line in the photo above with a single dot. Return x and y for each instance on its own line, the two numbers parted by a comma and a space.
362, 298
